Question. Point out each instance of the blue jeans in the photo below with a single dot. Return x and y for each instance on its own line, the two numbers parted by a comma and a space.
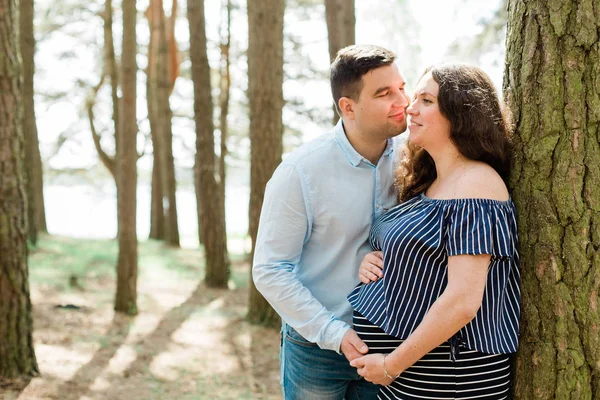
311, 373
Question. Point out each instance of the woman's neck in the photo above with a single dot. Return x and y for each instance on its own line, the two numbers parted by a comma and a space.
449, 162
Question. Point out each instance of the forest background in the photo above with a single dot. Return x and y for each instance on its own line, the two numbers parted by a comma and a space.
150, 128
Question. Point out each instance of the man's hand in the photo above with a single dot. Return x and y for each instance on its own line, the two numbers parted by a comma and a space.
352, 346
371, 267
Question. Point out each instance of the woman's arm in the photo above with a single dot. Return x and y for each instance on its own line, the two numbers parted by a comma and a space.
455, 308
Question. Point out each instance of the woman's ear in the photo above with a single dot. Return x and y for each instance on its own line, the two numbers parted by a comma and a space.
347, 107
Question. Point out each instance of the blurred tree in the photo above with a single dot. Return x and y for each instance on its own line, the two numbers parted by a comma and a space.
163, 69
17, 356
33, 169
127, 264
552, 84
341, 21
489, 41
224, 92
265, 94
211, 210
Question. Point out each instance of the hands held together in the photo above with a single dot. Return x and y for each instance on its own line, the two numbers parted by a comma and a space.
369, 366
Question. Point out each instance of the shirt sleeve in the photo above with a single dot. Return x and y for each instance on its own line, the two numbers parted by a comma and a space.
284, 228
480, 227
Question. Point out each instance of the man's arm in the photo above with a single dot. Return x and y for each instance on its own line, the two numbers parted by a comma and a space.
285, 226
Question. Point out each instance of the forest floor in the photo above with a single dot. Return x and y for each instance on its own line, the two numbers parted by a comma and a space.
187, 341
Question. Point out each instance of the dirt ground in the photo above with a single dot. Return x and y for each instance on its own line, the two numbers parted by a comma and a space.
187, 342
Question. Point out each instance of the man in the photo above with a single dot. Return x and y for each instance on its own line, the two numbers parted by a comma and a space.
315, 221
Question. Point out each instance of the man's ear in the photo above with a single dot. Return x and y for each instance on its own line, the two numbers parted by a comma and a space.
347, 105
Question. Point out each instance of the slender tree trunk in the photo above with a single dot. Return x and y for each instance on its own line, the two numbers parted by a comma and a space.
164, 133
126, 296
157, 212
34, 170
211, 213
17, 356
341, 21
265, 93
552, 83
225, 86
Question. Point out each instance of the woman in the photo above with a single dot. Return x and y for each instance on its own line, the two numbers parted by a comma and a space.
448, 303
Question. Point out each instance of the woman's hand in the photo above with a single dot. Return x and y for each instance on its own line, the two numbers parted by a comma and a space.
371, 368
371, 267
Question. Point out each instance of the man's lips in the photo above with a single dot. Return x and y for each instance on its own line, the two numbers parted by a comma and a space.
398, 116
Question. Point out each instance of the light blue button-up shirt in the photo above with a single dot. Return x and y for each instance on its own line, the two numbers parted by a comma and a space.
313, 233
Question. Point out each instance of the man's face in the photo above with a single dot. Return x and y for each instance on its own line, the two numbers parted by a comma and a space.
380, 111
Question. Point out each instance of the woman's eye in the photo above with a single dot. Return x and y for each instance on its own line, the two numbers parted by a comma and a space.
427, 101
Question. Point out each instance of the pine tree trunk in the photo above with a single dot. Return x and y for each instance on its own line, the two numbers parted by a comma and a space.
34, 170
265, 93
126, 296
211, 212
225, 86
157, 212
341, 21
164, 133
552, 84
17, 356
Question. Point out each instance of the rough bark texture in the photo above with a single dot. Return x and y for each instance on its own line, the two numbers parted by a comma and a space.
34, 170
341, 21
126, 296
265, 81
211, 212
552, 84
17, 357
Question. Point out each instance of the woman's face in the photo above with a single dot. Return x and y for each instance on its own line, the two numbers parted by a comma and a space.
429, 129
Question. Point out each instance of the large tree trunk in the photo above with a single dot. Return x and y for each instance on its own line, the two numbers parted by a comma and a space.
211, 213
17, 357
126, 296
265, 93
341, 21
34, 170
552, 83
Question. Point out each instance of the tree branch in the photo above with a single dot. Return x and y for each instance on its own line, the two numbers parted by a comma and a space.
108, 161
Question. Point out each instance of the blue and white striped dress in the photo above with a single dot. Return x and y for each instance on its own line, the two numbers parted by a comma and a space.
416, 238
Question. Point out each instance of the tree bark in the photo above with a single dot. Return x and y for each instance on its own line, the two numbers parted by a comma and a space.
265, 93
17, 356
211, 212
126, 296
164, 132
34, 170
552, 84
341, 21
225, 86
157, 213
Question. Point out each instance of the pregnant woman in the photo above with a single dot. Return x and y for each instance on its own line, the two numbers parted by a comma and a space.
443, 320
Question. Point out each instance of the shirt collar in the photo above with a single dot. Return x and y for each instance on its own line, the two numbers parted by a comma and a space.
351, 154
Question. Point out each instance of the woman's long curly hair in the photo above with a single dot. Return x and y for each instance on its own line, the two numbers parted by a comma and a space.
479, 127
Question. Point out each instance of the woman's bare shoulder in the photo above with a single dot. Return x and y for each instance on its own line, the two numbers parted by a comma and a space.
481, 181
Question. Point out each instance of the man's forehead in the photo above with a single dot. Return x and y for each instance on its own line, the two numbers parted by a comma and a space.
391, 73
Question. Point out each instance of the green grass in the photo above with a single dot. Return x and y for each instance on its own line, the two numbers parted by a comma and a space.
56, 259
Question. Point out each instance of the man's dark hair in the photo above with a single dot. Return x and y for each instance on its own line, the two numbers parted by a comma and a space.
349, 66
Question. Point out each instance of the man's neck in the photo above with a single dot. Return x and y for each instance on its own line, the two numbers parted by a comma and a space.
370, 149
